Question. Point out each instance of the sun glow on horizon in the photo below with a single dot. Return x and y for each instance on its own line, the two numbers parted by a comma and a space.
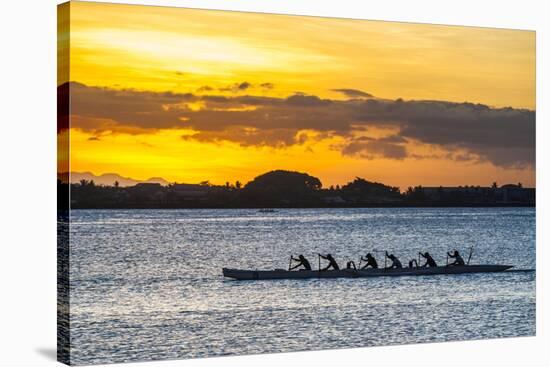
188, 161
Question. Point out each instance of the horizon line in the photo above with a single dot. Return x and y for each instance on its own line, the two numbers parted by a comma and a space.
168, 182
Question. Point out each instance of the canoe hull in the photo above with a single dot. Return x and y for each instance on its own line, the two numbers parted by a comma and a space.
368, 273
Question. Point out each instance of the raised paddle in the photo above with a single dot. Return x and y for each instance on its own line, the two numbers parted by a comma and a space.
470, 257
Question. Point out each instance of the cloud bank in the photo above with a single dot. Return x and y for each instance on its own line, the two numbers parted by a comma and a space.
503, 136
353, 93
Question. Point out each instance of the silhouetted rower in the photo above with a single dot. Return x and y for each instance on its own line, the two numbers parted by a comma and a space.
430, 262
371, 261
332, 263
351, 265
395, 263
459, 261
413, 264
302, 261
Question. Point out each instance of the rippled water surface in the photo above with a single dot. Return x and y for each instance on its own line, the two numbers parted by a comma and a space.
147, 284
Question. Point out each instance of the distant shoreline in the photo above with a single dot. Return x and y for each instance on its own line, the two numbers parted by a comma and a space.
287, 189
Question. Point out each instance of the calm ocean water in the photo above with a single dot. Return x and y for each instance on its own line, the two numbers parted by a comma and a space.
147, 284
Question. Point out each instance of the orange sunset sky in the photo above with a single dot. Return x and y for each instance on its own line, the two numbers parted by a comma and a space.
193, 95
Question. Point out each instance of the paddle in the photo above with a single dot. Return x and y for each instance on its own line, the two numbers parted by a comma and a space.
470, 257
290, 263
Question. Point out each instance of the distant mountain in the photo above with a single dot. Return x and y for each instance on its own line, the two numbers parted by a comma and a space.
108, 179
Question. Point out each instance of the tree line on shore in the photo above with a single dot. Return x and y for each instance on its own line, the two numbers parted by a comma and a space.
284, 189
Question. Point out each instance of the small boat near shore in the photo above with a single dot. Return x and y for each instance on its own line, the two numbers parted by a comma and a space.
267, 210
356, 273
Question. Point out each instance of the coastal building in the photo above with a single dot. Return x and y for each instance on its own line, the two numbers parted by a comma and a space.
505, 194
189, 191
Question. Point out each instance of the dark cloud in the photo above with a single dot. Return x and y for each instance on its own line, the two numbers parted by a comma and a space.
502, 136
301, 100
97, 107
243, 86
353, 93
205, 88
391, 147
236, 87
247, 137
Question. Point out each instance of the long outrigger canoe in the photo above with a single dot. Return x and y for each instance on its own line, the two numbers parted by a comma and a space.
353, 273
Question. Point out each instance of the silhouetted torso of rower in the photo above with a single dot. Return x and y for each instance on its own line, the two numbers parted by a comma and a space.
302, 261
332, 263
371, 261
459, 261
395, 263
430, 262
